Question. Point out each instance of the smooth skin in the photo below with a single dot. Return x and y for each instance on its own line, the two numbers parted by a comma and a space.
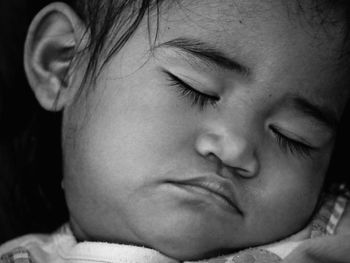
137, 131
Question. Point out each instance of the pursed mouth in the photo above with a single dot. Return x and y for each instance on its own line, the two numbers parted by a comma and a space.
221, 188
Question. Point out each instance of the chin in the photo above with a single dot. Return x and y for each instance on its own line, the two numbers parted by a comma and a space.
186, 253
189, 247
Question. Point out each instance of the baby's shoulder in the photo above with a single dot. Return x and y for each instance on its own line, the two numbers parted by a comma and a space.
40, 247
19, 249
22, 244
23, 241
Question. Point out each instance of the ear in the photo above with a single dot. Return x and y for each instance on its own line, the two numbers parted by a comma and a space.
53, 38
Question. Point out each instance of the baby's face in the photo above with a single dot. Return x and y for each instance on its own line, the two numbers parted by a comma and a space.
216, 140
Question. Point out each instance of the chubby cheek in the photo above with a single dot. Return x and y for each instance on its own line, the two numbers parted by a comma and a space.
134, 120
282, 200
133, 131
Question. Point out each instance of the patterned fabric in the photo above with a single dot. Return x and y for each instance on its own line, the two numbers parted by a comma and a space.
326, 220
249, 256
18, 255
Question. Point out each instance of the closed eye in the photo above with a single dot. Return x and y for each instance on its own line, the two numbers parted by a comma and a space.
293, 146
196, 97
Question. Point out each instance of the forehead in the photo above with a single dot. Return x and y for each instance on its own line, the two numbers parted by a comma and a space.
282, 43
237, 25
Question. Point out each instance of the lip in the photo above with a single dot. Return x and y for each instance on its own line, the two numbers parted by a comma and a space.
214, 185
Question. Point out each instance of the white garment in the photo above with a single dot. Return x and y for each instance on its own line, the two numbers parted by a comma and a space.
61, 247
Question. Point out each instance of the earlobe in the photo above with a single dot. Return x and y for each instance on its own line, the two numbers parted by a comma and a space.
53, 38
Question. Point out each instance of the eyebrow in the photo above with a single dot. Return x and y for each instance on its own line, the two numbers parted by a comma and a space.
207, 53
322, 114
217, 58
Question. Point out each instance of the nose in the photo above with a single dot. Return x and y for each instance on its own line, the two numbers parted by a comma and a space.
232, 150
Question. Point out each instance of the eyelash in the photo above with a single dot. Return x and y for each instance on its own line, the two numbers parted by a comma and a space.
196, 97
290, 145
203, 100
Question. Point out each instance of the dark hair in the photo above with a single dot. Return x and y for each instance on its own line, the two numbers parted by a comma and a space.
114, 21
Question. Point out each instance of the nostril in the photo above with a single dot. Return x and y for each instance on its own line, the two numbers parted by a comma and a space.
212, 157
241, 170
245, 173
250, 169
227, 172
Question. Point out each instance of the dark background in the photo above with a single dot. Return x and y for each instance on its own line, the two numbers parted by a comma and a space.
31, 199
